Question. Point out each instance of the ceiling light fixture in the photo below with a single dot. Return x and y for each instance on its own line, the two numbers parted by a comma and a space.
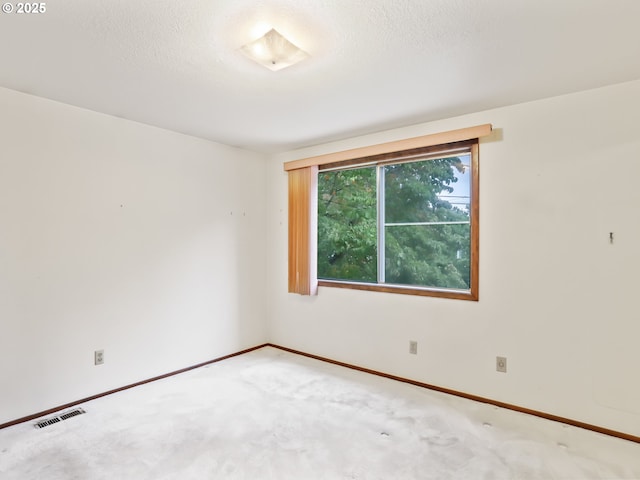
274, 51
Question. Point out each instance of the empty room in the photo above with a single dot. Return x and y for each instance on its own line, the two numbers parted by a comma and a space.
337, 239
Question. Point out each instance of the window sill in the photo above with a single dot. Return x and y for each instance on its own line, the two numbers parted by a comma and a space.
403, 289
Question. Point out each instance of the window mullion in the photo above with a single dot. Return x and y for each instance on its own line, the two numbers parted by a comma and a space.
381, 224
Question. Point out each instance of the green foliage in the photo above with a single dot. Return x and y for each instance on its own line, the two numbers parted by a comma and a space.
429, 255
426, 255
347, 229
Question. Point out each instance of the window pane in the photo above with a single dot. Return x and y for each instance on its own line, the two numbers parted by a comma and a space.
428, 255
428, 191
427, 229
347, 229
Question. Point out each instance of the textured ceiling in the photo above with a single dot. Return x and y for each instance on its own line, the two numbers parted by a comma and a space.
374, 64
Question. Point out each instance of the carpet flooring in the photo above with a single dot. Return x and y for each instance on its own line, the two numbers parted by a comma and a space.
270, 414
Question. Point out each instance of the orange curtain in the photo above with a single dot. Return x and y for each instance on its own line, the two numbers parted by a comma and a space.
303, 192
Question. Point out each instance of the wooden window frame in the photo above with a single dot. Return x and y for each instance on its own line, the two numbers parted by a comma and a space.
299, 253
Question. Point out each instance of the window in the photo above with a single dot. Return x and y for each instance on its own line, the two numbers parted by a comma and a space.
397, 217
400, 224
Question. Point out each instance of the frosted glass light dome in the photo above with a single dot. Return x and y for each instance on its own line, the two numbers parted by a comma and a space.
274, 51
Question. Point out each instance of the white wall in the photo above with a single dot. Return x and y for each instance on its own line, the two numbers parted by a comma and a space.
556, 297
123, 237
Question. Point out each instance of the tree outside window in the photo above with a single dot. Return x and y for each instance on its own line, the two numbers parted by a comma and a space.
404, 224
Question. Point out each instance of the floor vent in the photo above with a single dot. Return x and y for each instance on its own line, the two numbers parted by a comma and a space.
64, 416
47, 422
72, 413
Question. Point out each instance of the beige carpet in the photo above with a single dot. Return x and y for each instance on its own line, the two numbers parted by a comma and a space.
274, 415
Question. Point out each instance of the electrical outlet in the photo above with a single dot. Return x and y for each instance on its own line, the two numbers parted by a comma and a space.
98, 357
501, 364
413, 347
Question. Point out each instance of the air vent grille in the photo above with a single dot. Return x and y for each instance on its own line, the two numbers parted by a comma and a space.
72, 413
59, 418
47, 422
